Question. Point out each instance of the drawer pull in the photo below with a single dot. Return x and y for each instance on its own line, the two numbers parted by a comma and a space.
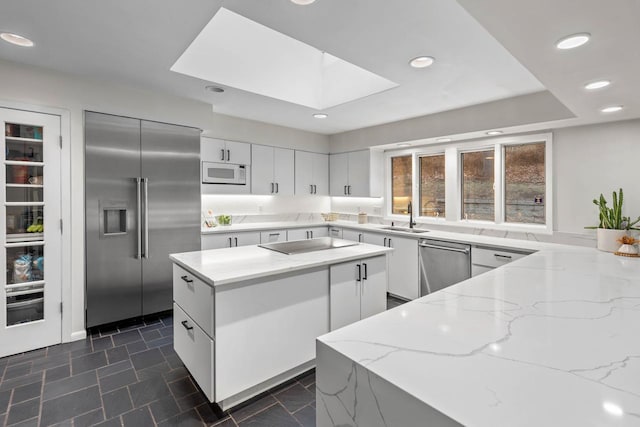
505, 257
186, 279
187, 327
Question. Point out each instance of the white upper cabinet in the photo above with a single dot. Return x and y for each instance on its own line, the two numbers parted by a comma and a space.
357, 174
311, 173
272, 170
219, 150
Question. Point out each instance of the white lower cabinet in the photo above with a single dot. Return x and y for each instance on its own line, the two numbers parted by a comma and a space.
486, 258
307, 233
272, 236
196, 349
353, 235
335, 232
357, 290
403, 267
229, 240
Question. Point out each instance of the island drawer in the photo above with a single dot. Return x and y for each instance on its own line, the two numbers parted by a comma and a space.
491, 257
195, 349
195, 297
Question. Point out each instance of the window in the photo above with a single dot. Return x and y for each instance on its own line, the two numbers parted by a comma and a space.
524, 183
478, 186
401, 185
432, 186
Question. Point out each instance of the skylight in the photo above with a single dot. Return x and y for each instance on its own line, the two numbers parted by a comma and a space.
234, 51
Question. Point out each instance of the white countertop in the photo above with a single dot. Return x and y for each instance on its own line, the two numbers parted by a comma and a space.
260, 226
220, 267
552, 339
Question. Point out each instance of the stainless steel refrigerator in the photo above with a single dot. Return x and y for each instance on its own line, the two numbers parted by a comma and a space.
142, 202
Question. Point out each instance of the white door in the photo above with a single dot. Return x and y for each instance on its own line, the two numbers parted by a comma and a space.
304, 172
319, 232
338, 174
31, 293
238, 152
216, 241
283, 171
298, 234
353, 235
374, 286
404, 268
272, 236
262, 170
376, 239
321, 174
344, 294
246, 239
359, 174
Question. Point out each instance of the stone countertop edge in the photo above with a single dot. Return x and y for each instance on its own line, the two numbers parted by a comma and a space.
237, 270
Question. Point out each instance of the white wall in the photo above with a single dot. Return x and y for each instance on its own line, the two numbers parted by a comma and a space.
590, 160
41, 87
264, 205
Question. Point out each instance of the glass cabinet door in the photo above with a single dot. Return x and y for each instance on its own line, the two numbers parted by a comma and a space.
31, 293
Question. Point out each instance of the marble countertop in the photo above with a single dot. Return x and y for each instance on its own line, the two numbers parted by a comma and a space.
552, 339
219, 267
261, 226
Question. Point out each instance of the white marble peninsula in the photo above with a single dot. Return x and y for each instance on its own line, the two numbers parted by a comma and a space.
246, 318
552, 339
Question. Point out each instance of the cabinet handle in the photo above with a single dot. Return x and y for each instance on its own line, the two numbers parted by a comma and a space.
222, 155
228, 155
385, 242
365, 271
277, 189
505, 257
310, 188
359, 272
236, 241
345, 190
272, 188
315, 189
187, 327
274, 234
230, 243
349, 188
389, 242
359, 237
307, 234
186, 279
311, 233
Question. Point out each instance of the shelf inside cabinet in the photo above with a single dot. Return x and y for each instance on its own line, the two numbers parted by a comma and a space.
25, 186
24, 237
25, 140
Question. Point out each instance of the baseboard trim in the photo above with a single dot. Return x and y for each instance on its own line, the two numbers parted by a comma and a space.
78, 335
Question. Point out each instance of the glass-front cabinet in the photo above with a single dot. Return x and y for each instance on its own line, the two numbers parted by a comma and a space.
31, 289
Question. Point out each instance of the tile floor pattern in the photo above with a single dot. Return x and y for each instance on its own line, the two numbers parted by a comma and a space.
130, 376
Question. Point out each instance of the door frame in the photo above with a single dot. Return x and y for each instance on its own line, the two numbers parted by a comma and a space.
67, 332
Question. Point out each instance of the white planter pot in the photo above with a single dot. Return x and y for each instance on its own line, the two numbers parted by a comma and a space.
608, 239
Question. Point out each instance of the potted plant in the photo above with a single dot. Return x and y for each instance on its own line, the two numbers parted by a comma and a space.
613, 225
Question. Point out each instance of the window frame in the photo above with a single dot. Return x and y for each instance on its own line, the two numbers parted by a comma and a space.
453, 182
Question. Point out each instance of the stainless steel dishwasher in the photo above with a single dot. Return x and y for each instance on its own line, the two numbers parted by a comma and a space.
443, 264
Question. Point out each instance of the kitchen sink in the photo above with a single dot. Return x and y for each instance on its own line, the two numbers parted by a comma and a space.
406, 229
310, 245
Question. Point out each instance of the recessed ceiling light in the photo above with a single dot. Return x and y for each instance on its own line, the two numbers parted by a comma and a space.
443, 140
216, 89
494, 132
597, 85
302, 2
611, 109
573, 41
421, 62
16, 39
320, 115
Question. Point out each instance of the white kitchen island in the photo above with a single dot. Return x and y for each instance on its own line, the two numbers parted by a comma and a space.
552, 339
246, 318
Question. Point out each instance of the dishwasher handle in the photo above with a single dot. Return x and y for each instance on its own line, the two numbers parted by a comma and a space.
444, 248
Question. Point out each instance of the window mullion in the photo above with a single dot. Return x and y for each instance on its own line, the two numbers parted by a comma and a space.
499, 184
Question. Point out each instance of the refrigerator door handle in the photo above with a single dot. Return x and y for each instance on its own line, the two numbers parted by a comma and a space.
146, 217
139, 213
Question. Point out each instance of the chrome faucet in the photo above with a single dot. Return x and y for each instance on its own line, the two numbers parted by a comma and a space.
410, 210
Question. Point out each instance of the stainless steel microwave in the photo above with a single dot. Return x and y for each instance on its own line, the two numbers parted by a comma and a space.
224, 173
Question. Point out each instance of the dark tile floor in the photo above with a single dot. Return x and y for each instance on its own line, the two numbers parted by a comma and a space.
129, 375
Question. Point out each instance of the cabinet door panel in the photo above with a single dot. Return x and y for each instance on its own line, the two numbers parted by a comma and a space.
319, 232
374, 286
335, 232
338, 173
262, 170
215, 241
238, 152
271, 236
376, 239
353, 235
283, 171
246, 239
211, 149
404, 268
321, 174
359, 173
304, 172
344, 294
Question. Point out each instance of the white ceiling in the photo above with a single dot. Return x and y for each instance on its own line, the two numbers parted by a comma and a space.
136, 43
481, 50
